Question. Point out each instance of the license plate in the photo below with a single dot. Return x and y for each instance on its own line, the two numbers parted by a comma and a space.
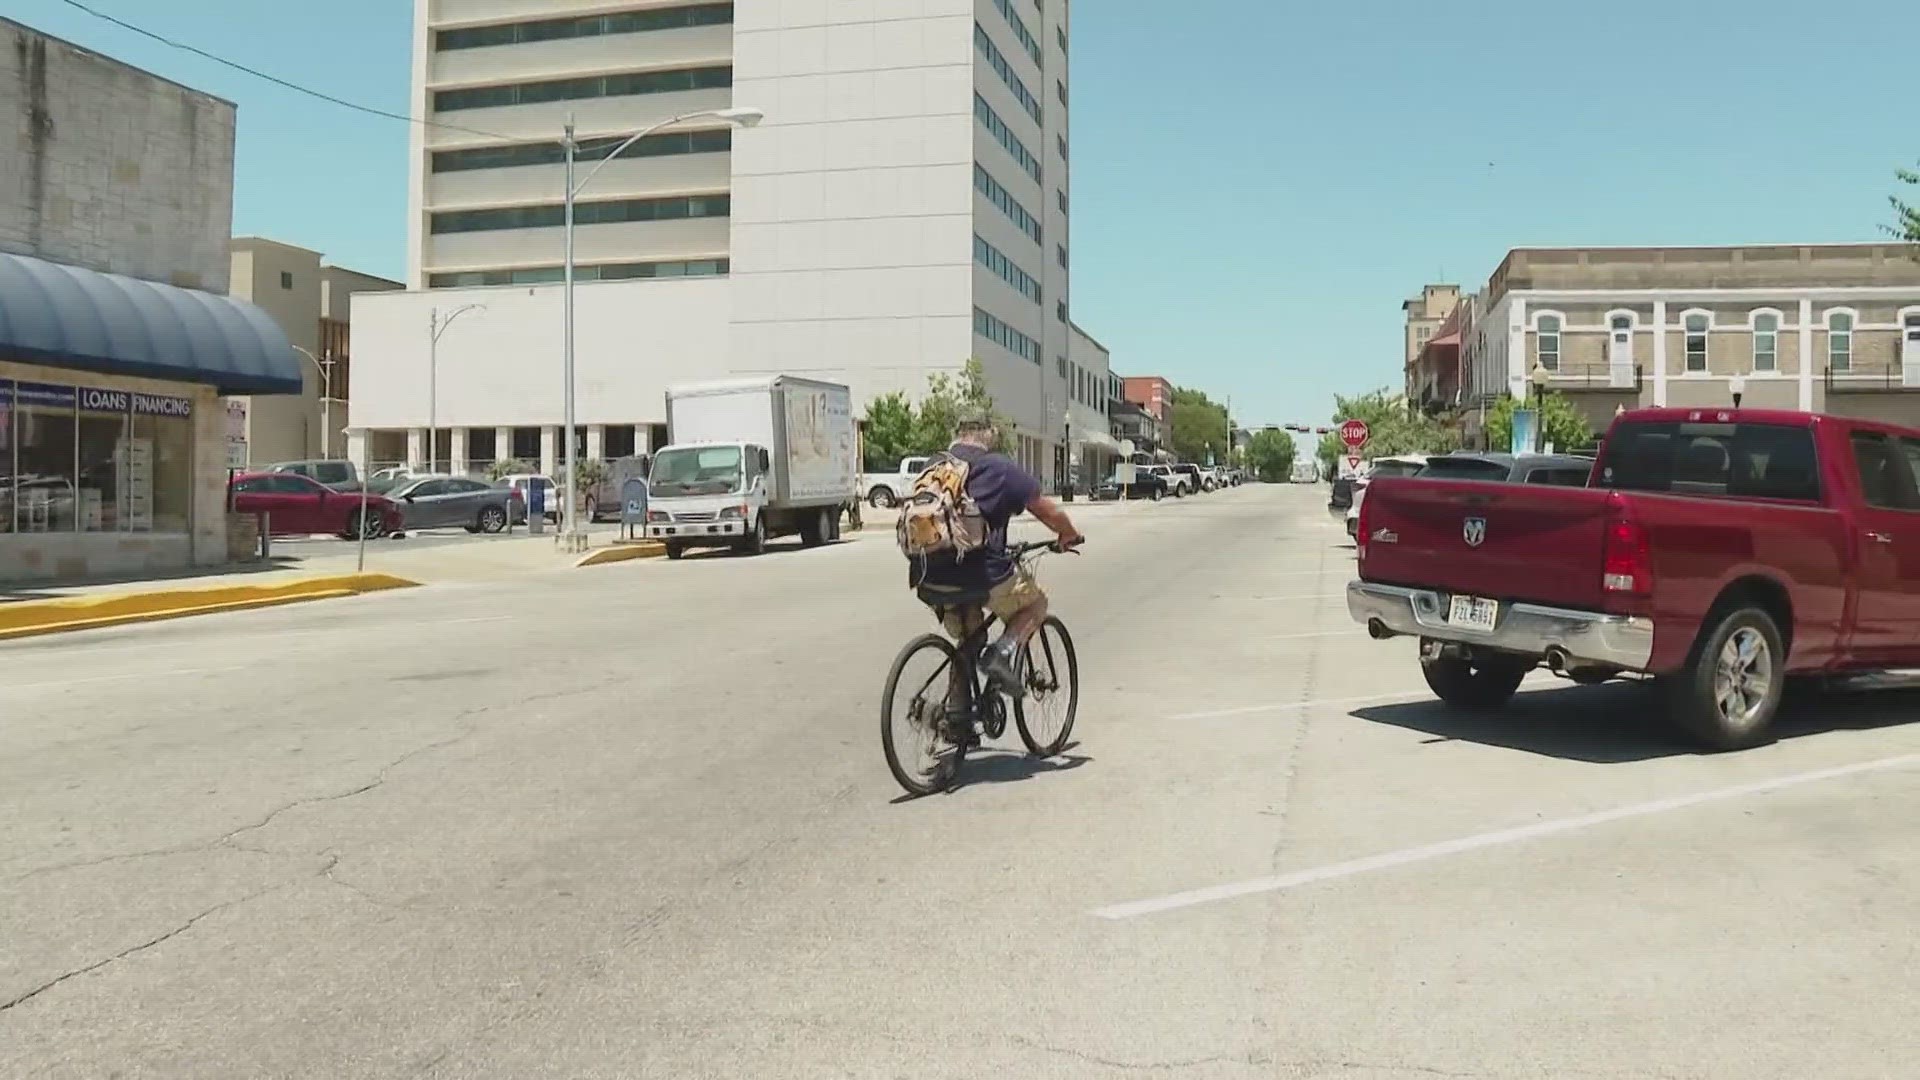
1473, 613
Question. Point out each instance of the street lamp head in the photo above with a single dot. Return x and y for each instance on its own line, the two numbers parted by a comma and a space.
1540, 376
743, 116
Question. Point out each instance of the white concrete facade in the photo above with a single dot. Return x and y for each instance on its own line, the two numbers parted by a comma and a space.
901, 210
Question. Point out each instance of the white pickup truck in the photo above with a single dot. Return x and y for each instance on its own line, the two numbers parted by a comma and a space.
884, 489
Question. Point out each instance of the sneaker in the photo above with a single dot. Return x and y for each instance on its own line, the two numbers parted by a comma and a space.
1000, 662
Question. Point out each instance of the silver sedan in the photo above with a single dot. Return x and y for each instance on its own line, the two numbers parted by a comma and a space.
439, 502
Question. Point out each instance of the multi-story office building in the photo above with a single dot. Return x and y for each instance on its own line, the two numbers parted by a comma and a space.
1833, 328
1424, 314
904, 206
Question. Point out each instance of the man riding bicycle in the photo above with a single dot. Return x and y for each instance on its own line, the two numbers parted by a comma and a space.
961, 590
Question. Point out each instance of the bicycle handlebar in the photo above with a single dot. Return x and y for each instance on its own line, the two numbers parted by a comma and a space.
1021, 551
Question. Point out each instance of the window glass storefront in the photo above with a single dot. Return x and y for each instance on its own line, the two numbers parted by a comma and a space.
84, 459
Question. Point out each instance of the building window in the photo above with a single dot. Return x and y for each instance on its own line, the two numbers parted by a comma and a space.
1766, 340
1060, 143
601, 86
985, 184
551, 153
1060, 364
1060, 200
93, 460
617, 441
1060, 90
633, 22
1547, 330
546, 275
1004, 135
1060, 310
993, 329
1020, 32
1909, 337
286, 280
1060, 255
525, 444
1696, 325
1005, 269
1060, 35
481, 442
983, 44
1840, 340
552, 216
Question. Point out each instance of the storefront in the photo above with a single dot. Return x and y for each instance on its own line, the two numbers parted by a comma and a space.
112, 438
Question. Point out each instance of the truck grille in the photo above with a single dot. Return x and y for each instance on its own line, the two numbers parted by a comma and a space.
697, 516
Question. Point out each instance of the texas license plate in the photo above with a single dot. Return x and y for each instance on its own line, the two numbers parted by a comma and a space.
1473, 613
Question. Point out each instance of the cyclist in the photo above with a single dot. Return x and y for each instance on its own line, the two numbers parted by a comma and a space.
990, 578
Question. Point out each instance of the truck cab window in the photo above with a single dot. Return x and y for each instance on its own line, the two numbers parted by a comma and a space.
1765, 461
1880, 479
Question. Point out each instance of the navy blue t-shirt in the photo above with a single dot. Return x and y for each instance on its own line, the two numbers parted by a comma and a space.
1002, 489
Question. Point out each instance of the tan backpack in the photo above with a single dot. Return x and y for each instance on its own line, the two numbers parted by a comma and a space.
938, 516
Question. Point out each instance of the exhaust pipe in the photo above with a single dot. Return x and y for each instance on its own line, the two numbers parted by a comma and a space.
1378, 631
1557, 660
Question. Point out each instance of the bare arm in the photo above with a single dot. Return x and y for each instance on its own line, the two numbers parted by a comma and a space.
1048, 513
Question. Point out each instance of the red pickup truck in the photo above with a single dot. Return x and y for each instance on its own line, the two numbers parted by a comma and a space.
1721, 551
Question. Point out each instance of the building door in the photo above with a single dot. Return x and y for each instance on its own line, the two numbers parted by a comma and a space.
1620, 352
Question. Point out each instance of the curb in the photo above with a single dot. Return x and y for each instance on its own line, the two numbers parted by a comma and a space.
622, 552
31, 618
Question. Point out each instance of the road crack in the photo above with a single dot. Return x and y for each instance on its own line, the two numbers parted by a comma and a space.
1172, 1065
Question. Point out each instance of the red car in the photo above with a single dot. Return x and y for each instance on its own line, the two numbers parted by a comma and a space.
1722, 551
296, 505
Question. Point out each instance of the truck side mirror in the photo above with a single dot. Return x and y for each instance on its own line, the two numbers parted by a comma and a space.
766, 460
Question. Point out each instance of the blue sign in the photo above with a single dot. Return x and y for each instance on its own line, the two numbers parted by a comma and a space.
94, 399
536, 498
1524, 422
43, 395
633, 502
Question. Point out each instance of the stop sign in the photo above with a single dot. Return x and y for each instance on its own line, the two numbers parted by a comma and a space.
1353, 433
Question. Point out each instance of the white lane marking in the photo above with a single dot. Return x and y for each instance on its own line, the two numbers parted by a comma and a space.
1492, 839
1311, 703
123, 676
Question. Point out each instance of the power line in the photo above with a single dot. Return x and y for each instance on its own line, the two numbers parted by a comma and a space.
276, 80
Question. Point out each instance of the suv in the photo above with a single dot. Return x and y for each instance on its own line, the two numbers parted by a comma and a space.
336, 474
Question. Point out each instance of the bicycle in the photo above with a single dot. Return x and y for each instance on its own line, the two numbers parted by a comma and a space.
1050, 673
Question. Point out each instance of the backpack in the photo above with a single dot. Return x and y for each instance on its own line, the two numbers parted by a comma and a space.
938, 517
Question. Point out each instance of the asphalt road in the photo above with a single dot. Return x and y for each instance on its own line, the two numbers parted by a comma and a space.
634, 822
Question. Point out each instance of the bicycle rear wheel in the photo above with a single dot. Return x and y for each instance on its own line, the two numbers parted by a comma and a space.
913, 714
1053, 690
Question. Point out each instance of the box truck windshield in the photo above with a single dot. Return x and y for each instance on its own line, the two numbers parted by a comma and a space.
697, 470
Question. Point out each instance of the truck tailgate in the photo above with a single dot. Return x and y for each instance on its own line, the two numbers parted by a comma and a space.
1534, 543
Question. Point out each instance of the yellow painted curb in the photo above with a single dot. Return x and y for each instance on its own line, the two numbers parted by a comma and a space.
28, 618
623, 552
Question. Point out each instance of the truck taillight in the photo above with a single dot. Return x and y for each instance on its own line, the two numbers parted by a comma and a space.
1627, 566
1360, 531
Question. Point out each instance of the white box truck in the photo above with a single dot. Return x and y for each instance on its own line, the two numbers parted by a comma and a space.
751, 459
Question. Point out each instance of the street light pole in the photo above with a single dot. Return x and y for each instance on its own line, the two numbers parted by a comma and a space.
572, 538
326, 400
1539, 377
435, 327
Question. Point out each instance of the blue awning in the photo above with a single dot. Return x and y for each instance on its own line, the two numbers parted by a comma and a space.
64, 316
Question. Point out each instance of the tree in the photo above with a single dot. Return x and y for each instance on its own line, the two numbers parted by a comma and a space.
1390, 429
1199, 425
1906, 222
498, 470
1561, 424
1271, 454
890, 431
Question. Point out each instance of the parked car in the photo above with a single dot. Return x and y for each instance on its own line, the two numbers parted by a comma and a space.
298, 505
1722, 552
337, 474
436, 502
1560, 470
1400, 465
524, 484
884, 489
1197, 478
1179, 484
1146, 484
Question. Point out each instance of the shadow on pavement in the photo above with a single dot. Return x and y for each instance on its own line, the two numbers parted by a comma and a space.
1623, 722
27, 590
993, 766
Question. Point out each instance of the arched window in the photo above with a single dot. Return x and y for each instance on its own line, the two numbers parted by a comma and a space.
1765, 324
1697, 326
1840, 324
1620, 327
1546, 327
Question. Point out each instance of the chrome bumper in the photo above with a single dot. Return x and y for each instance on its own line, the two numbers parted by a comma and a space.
1590, 638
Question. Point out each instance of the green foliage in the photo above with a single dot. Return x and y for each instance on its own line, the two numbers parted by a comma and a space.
1391, 430
1906, 221
589, 473
895, 429
498, 470
1563, 426
1199, 424
1271, 454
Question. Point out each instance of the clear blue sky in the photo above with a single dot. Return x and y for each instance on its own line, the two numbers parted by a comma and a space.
1258, 183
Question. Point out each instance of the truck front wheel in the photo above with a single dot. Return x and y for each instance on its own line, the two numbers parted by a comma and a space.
1727, 696
755, 541
1481, 684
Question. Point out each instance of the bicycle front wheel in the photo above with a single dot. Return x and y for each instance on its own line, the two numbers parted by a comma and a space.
1045, 713
913, 717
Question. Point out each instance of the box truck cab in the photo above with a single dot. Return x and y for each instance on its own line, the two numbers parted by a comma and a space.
750, 460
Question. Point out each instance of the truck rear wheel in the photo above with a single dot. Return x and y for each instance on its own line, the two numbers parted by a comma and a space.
815, 532
1481, 684
1727, 697
676, 550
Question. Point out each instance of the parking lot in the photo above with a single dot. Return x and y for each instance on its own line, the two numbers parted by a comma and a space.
635, 822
